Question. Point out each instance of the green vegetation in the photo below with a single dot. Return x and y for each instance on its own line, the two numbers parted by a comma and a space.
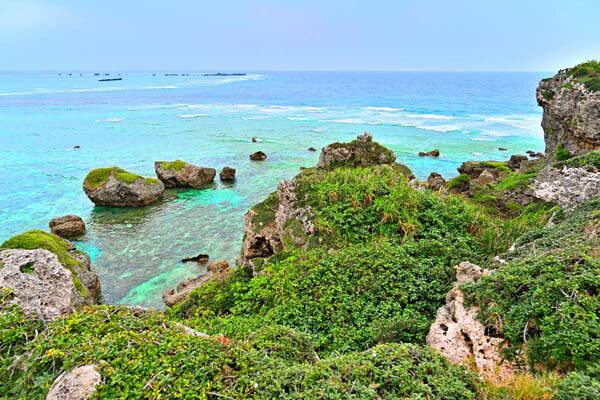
587, 73
37, 239
499, 165
462, 179
561, 154
97, 177
264, 212
364, 154
143, 355
590, 161
547, 94
567, 85
177, 165
546, 299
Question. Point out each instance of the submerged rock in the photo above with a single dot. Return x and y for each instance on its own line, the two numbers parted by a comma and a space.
362, 152
116, 187
227, 174
215, 270
258, 156
571, 118
312, 149
459, 336
200, 259
46, 275
78, 384
432, 153
181, 174
67, 226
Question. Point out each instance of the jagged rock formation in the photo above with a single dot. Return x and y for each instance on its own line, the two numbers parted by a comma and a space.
116, 187
432, 153
181, 174
78, 384
435, 181
459, 336
571, 118
362, 152
67, 226
41, 285
175, 296
566, 186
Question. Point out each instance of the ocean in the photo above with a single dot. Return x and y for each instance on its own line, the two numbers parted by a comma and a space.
209, 121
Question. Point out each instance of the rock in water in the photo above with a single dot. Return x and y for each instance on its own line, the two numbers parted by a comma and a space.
459, 336
435, 181
258, 156
200, 258
215, 270
67, 226
46, 275
571, 118
227, 174
362, 152
114, 186
181, 174
432, 153
78, 384
312, 149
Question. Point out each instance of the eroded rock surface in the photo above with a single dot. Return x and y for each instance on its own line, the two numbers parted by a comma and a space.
435, 181
67, 226
571, 118
361, 152
41, 285
78, 384
459, 336
118, 188
567, 187
181, 174
227, 174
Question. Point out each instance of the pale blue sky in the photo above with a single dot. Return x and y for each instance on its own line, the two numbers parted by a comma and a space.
297, 35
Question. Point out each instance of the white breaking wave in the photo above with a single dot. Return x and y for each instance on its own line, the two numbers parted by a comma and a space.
192, 115
111, 119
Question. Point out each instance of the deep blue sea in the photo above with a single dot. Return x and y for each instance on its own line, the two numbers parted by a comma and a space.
209, 121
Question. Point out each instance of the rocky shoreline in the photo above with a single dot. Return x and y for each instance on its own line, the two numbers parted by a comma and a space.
438, 289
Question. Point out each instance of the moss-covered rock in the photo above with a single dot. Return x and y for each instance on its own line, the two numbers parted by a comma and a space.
114, 186
181, 174
361, 152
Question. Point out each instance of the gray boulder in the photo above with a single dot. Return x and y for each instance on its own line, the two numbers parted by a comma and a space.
78, 384
181, 174
116, 187
567, 187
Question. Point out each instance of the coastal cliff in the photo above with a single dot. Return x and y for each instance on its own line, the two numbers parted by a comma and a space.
357, 281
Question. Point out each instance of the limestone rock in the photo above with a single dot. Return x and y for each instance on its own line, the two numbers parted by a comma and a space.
485, 177
67, 226
571, 118
176, 296
567, 187
41, 285
181, 174
432, 153
459, 336
361, 152
116, 187
78, 384
435, 181
515, 161
258, 156
476, 168
227, 174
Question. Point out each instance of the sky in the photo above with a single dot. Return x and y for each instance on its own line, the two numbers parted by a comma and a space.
390, 35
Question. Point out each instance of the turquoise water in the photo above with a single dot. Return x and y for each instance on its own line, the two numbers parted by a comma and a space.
209, 121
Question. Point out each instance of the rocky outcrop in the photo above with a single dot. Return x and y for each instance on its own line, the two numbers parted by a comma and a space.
312, 149
435, 181
459, 336
567, 187
181, 174
183, 290
67, 226
515, 161
200, 259
571, 118
42, 286
432, 153
118, 188
476, 168
227, 174
362, 152
78, 384
258, 156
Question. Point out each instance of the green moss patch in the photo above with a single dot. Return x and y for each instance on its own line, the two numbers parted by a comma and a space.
458, 181
499, 165
590, 161
264, 212
37, 239
97, 177
176, 165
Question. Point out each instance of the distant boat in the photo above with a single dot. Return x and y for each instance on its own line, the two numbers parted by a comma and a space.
110, 79
222, 74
